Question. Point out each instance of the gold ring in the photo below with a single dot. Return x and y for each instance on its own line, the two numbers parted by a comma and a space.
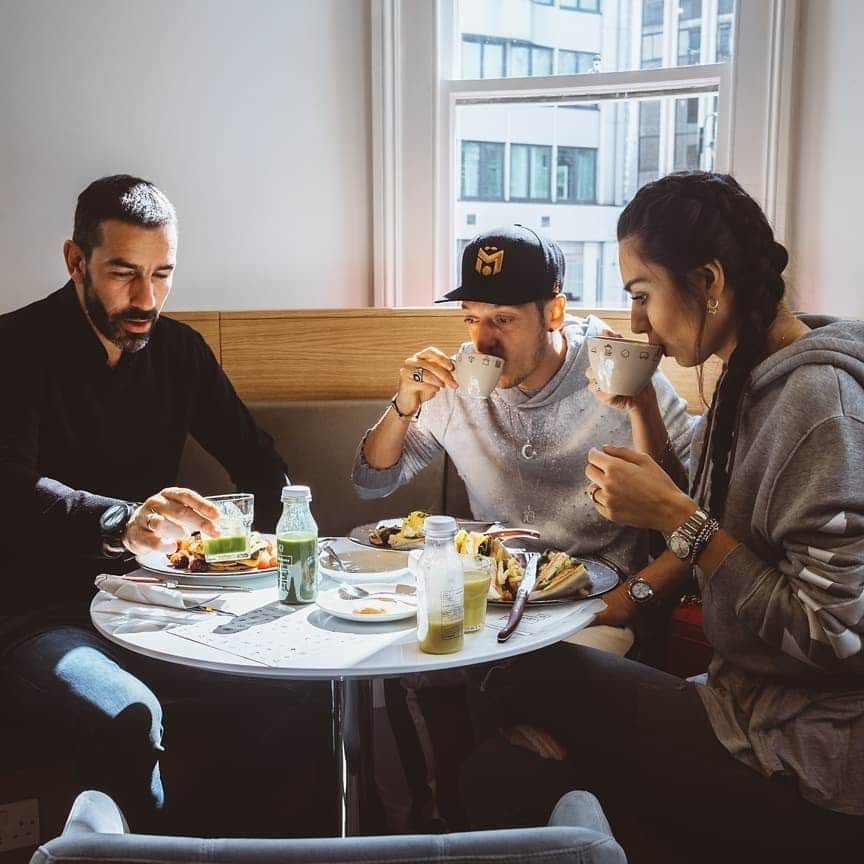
150, 515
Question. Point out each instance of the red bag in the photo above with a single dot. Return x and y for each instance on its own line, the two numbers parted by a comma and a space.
688, 652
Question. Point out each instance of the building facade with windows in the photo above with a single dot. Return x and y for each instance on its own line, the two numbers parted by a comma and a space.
568, 168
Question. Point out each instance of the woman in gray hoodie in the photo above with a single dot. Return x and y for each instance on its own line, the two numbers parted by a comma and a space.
768, 753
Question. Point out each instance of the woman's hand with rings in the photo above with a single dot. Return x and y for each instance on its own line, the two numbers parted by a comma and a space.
635, 490
421, 377
166, 517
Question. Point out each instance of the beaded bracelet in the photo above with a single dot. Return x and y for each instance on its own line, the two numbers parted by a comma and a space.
401, 415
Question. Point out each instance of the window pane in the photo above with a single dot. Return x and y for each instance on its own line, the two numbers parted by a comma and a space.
667, 33
541, 161
493, 60
589, 163
471, 54
576, 176
518, 171
470, 169
652, 13
520, 62
541, 61
482, 170
492, 171
574, 270
687, 135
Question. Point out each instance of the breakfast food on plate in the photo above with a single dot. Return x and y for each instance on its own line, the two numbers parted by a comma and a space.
409, 532
558, 574
190, 556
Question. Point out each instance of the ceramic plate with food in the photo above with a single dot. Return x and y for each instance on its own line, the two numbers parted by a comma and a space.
188, 560
374, 609
407, 533
560, 577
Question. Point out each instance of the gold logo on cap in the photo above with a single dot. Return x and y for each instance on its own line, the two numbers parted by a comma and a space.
490, 260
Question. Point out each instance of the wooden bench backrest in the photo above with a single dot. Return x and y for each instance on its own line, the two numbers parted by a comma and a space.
296, 354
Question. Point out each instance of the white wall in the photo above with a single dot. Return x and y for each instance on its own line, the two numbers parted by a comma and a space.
253, 116
827, 184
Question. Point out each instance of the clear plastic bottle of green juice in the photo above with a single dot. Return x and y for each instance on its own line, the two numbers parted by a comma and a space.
297, 548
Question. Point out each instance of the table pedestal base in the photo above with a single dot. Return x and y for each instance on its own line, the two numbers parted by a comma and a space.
351, 737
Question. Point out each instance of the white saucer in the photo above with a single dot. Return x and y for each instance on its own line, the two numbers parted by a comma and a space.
333, 604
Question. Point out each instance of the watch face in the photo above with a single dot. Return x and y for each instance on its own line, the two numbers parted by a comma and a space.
114, 519
679, 546
640, 590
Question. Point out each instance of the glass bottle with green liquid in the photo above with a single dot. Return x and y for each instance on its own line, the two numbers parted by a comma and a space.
297, 548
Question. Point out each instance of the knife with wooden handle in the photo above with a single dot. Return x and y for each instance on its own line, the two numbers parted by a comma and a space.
526, 586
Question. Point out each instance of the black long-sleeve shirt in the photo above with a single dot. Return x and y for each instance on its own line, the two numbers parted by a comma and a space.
77, 436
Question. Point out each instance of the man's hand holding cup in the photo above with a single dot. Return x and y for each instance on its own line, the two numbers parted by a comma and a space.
421, 377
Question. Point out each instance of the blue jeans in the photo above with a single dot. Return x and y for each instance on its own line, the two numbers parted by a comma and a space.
90, 697
110, 720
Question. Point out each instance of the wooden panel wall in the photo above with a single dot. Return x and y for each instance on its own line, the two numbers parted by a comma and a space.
356, 353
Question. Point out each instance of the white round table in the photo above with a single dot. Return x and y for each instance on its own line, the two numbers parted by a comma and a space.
264, 638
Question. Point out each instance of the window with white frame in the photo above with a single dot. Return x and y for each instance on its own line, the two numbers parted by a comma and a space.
571, 172
509, 138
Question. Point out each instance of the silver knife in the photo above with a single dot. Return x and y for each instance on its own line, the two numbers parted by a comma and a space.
526, 586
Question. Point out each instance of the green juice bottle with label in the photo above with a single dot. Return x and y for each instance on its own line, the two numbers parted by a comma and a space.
297, 548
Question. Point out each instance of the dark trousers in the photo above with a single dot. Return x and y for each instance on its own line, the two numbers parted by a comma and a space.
641, 741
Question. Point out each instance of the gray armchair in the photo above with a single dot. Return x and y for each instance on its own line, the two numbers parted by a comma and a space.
96, 831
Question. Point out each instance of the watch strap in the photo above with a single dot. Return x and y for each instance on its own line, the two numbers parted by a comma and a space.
112, 538
704, 537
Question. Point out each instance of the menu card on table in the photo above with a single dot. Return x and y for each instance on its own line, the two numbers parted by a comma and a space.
282, 636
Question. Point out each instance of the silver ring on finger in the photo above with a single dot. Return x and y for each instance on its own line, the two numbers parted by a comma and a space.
592, 494
418, 374
150, 516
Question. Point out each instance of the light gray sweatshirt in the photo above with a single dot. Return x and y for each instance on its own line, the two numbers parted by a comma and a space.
484, 439
784, 610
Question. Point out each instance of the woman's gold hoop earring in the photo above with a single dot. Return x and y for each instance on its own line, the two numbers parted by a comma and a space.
713, 306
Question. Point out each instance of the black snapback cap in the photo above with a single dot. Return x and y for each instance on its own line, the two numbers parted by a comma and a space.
509, 266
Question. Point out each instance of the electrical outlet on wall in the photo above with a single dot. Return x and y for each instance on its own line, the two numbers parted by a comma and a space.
19, 824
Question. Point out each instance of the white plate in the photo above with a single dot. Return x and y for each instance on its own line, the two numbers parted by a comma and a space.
372, 565
158, 563
333, 604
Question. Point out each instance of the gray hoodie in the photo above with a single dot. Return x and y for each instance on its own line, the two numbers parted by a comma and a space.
784, 610
484, 439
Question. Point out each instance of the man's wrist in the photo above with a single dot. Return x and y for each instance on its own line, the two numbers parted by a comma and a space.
404, 415
112, 527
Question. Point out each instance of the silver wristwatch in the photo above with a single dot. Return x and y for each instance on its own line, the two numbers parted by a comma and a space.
639, 590
682, 541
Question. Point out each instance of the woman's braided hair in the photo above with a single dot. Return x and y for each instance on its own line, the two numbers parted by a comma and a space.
682, 222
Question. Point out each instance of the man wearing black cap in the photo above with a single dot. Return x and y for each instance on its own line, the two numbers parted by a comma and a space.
522, 452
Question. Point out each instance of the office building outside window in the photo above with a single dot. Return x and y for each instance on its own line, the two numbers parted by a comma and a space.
566, 172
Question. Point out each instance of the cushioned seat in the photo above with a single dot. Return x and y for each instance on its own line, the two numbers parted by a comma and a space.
577, 832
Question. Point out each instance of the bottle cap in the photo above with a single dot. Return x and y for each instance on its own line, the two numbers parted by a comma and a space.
296, 493
439, 526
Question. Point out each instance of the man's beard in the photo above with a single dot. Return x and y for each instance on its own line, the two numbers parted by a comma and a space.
517, 376
110, 325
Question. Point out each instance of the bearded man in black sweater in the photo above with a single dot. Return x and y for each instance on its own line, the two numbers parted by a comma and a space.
100, 393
